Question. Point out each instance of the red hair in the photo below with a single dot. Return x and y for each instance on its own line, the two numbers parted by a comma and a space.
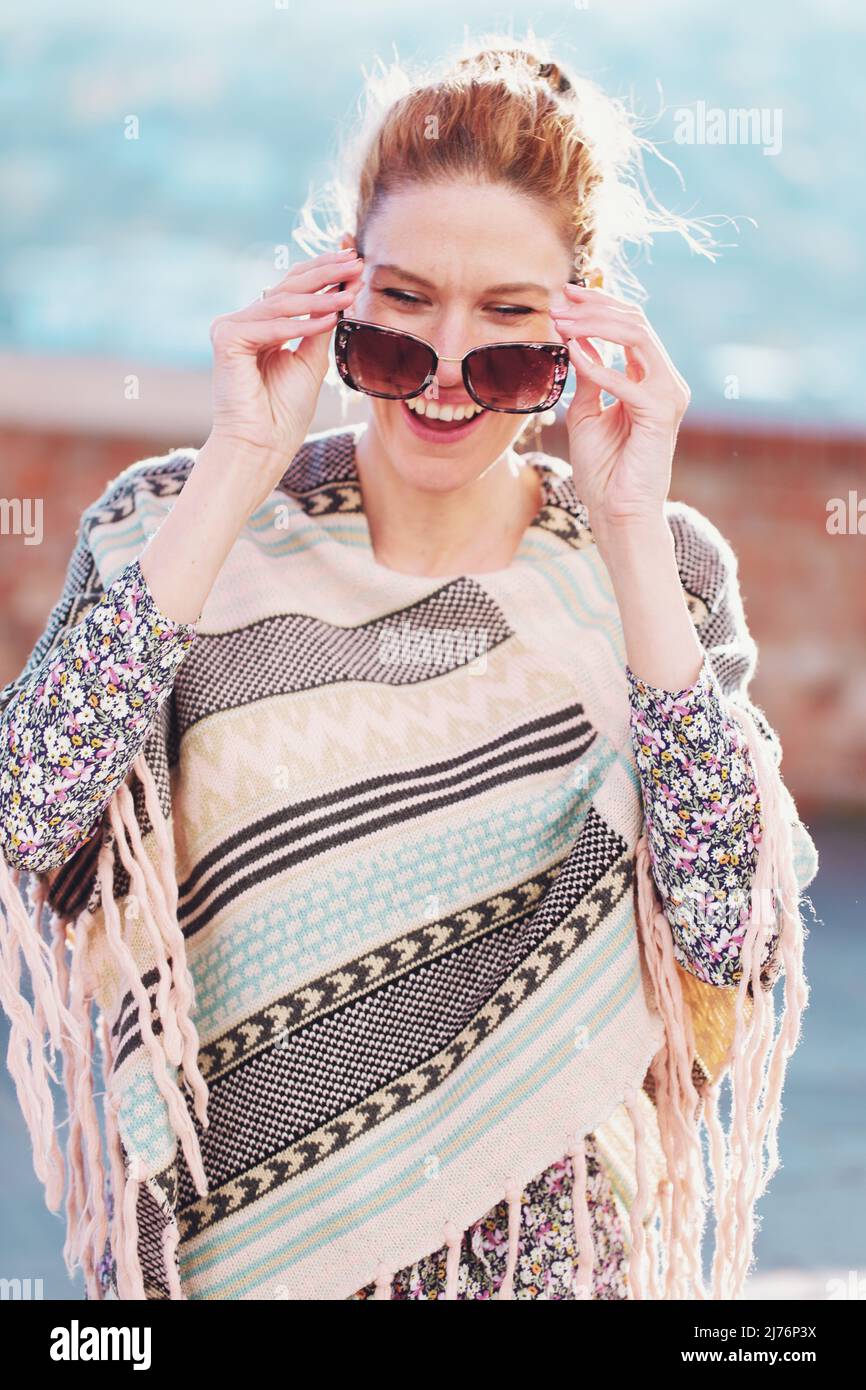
506, 114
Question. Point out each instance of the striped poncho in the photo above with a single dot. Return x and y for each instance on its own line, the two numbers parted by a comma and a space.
377, 897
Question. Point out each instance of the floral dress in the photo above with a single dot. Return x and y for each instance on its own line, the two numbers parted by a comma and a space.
73, 730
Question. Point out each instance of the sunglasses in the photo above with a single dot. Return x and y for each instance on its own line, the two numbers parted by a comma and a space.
516, 378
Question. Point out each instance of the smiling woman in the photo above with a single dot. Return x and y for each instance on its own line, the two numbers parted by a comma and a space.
417, 975
433, 270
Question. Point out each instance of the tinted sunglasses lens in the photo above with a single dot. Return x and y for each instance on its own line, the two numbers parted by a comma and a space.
389, 364
515, 377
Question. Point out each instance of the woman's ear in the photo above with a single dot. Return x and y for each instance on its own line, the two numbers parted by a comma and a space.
347, 241
593, 275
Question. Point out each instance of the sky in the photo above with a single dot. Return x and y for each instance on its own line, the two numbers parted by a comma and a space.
129, 248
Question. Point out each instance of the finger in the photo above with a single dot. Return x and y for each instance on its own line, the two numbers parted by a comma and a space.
315, 350
636, 372
634, 367
574, 306
228, 332
306, 277
288, 304
586, 401
583, 296
591, 348
326, 258
576, 295
622, 333
613, 325
606, 379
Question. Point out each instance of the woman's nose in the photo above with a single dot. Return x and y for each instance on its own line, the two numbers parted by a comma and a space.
451, 343
449, 374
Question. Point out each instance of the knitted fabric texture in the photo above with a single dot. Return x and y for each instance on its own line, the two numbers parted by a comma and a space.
369, 935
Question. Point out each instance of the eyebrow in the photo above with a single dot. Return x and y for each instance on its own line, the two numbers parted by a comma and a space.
517, 287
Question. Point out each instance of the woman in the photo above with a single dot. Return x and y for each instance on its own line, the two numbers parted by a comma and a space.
399, 798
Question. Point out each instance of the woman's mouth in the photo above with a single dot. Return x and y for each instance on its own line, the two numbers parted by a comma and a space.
438, 423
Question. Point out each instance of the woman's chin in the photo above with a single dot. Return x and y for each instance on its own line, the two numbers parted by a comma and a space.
442, 454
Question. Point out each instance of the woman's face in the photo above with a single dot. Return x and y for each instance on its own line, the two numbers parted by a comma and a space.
460, 265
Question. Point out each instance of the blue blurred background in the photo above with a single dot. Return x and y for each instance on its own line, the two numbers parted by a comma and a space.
112, 245
115, 250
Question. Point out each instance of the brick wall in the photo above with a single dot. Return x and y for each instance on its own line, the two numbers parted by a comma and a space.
804, 590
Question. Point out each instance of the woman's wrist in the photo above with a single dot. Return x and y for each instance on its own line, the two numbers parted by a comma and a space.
242, 473
662, 647
182, 560
627, 539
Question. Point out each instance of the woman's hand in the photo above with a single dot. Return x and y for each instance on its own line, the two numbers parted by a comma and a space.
264, 395
621, 454
264, 398
621, 458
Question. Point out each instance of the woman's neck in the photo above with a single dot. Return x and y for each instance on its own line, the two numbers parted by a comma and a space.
472, 529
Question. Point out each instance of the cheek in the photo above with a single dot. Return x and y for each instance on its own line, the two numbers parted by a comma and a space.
509, 427
361, 307
385, 413
371, 306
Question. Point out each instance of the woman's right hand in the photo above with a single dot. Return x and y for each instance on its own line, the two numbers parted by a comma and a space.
265, 395
264, 398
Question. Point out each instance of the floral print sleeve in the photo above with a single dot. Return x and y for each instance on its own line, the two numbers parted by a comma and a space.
703, 819
72, 731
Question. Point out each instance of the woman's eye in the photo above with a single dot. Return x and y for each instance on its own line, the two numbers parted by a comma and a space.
505, 311
401, 296
511, 310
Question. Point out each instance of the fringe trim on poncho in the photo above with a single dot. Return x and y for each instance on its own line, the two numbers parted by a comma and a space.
667, 1225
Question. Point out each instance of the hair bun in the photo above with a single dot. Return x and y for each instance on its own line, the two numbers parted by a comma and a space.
556, 78
494, 59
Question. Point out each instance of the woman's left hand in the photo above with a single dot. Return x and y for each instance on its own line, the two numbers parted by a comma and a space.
621, 454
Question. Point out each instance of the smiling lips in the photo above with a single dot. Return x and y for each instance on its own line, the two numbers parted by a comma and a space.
436, 410
436, 422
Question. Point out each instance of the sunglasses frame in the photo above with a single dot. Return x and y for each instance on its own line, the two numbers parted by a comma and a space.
346, 326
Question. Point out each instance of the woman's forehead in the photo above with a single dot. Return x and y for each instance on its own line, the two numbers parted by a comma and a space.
469, 236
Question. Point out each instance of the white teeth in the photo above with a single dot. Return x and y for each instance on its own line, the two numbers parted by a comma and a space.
434, 411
